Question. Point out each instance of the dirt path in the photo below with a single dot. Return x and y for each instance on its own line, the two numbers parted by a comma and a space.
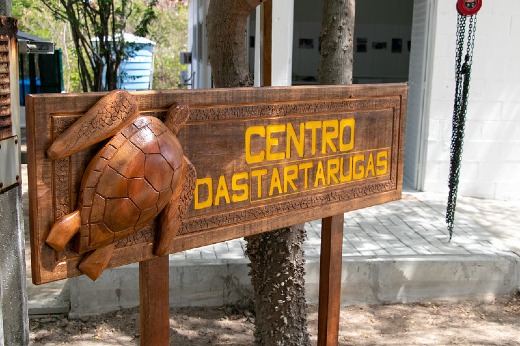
430, 323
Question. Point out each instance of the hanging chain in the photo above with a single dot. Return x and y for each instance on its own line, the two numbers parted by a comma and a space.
462, 78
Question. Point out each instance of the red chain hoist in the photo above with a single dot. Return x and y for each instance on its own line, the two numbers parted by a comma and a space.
466, 9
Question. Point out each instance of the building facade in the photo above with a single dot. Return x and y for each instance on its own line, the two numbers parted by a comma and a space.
414, 41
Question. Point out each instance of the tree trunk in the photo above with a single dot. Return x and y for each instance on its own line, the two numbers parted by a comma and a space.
226, 25
337, 37
277, 271
277, 274
336, 64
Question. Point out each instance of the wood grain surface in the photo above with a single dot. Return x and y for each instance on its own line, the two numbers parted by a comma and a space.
154, 302
265, 158
330, 280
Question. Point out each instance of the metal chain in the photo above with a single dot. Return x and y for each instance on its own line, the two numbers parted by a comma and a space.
462, 78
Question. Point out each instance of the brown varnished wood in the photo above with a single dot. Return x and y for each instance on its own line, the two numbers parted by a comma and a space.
330, 280
154, 307
103, 120
176, 117
95, 262
213, 140
63, 230
171, 217
127, 183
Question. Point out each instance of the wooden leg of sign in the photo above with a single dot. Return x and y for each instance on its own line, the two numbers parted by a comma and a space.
330, 280
154, 301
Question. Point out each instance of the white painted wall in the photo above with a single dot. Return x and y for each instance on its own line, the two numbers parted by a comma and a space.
282, 42
376, 20
200, 69
419, 89
191, 39
491, 158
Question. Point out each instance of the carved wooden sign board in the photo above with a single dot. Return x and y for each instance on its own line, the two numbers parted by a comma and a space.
265, 158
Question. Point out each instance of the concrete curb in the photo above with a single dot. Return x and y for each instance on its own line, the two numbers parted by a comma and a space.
385, 279
51, 298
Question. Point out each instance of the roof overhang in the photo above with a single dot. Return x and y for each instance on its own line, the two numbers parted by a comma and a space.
28, 43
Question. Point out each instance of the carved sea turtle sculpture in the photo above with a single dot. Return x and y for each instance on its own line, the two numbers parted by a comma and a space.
140, 173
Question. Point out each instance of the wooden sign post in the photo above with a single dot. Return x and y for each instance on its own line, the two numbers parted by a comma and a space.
265, 158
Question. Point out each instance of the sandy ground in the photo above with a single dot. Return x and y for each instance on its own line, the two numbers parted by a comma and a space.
430, 323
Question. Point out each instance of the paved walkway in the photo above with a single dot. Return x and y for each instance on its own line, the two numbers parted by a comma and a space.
412, 226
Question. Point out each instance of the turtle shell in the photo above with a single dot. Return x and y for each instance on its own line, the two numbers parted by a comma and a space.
128, 183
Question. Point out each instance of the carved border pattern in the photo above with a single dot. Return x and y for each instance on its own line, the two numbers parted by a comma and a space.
145, 235
61, 172
214, 112
257, 213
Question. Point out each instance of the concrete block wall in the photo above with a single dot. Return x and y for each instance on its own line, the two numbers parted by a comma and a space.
491, 157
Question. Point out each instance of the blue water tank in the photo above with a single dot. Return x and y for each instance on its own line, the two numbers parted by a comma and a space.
136, 72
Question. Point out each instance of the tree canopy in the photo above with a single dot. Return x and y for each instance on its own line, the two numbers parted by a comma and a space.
89, 33
97, 28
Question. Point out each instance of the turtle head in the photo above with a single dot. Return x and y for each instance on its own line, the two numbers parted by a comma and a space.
176, 117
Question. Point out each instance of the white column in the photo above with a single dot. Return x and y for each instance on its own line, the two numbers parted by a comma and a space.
259, 45
206, 68
191, 39
282, 42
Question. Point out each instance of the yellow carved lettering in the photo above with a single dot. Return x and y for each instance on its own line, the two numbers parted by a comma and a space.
320, 174
361, 173
370, 166
273, 142
254, 130
259, 173
275, 182
207, 203
331, 172
288, 178
326, 137
305, 166
240, 187
382, 160
299, 144
222, 191
342, 177
313, 126
344, 123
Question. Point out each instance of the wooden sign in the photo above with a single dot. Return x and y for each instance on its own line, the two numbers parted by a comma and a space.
265, 158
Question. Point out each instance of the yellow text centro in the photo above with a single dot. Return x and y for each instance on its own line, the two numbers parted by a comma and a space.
287, 141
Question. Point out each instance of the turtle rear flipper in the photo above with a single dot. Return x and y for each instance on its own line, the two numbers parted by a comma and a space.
63, 230
171, 217
94, 263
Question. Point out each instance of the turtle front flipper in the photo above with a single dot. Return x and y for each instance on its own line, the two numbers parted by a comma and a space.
94, 263
113, 112
172, 215
63, 230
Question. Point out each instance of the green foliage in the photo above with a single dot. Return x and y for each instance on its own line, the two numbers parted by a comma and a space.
162, 21
171, 35
97, 28
37, 20
148, 15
